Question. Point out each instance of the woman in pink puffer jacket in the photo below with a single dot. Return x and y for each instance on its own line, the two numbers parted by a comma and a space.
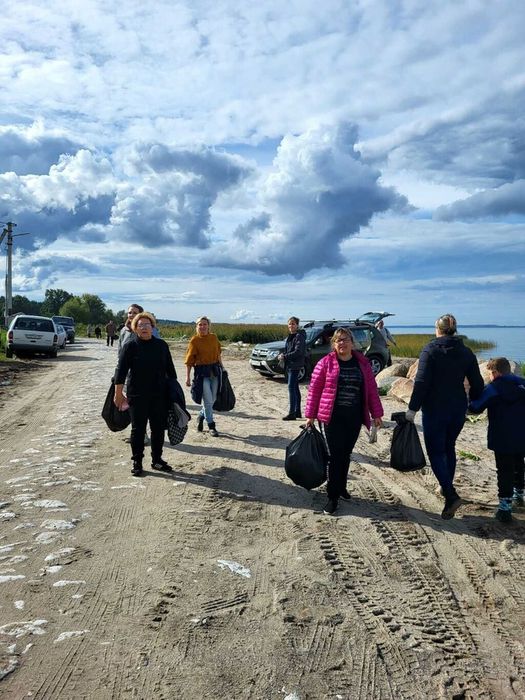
342, 396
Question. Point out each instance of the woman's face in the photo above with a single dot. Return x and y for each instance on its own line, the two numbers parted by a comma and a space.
144, 329
203, 327
293, 326
343, 347
132, 312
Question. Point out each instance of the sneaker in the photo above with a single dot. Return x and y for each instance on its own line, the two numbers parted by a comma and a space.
451, 506
200, 424
345, 496
290, 416
213, 429
330, 507
136, 469
504, 516
161, 466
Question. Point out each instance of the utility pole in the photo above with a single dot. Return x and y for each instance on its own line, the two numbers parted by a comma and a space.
8, 231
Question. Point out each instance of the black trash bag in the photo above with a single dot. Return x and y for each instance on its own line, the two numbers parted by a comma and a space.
307, 459
116, 420
406, 453
177, 423
225, 400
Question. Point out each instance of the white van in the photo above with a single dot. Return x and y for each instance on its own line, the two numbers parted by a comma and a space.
32, 334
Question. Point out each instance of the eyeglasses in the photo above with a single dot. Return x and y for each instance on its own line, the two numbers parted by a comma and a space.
142, 326
343, 340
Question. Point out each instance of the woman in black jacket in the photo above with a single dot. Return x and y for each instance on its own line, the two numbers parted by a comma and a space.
440, 391
293, 358
149, 363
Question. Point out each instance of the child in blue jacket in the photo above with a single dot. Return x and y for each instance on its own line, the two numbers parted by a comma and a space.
504, 399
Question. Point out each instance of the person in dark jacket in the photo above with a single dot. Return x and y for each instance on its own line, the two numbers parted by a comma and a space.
149, 363
293, 358
439, 391
504, 399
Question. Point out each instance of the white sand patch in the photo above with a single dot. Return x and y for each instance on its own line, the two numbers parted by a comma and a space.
9, 547
17, 559
10, 577
69, 635
54, 569
87, 487
59, 524
44, 503
60, 584
23, 497
234, 567
47, 537
128, 486
9, 666
24, 526
31, 451
19, 604
7, 515
20, 629
77, 596
4, 504
64, 552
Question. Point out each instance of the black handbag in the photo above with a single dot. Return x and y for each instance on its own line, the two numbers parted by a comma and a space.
225, 400
406, 453
177, 423
115, 420
307, 459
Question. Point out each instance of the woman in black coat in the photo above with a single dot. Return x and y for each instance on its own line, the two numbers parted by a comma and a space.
149, 363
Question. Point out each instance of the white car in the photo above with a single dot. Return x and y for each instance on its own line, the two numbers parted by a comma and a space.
32, 334
62, 336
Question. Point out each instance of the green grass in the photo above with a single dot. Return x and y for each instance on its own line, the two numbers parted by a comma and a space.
410, 345
230, 332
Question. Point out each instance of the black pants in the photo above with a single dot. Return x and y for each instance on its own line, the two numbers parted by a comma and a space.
142, 409
110, 339
341, 435
510, 473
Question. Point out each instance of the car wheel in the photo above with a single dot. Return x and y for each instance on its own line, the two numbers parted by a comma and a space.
9, 352
377, 364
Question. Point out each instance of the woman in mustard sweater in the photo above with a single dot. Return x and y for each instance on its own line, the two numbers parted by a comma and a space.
204, 355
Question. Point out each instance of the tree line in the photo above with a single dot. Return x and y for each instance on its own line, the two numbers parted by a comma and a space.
86, 308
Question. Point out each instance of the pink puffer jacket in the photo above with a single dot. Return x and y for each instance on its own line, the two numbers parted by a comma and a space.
323, 389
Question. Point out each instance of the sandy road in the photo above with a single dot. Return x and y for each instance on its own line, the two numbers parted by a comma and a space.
223, 580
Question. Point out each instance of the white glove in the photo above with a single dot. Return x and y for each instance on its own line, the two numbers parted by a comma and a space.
410, 415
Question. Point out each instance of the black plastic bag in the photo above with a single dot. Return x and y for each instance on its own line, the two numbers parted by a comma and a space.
225, 400
406, 453
177, 423
116, 420
307, 459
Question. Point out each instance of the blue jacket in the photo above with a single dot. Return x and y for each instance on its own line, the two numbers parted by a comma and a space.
439, 384
295, 350
504, 398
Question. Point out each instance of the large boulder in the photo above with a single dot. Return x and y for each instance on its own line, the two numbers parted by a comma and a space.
401, 389
412, 371
387, 376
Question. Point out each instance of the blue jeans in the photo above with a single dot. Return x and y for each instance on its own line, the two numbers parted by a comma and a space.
210, 386
441, 432
294, 392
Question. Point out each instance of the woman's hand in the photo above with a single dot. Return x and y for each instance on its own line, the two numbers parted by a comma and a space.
118, 399
378, 422
188, 382
310, 422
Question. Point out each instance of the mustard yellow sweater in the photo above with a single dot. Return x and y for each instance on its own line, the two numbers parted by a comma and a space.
203, 350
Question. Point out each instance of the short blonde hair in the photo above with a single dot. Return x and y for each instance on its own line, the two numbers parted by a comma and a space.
138, 317
447, 324
341, 333
203, 318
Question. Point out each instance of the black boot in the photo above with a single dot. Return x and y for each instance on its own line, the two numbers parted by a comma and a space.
213, 431
200, 423
136, 469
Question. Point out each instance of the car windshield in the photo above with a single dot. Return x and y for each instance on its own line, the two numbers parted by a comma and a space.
35, 324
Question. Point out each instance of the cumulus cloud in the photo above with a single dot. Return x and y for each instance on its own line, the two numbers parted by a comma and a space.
33, 272
319, 193
242, 315
171, 201
32, 149
501, 202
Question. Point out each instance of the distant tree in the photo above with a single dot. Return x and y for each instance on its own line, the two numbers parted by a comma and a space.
53, 301
24, 305
98, 313
76, 308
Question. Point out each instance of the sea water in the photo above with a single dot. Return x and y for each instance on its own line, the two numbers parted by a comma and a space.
510, 341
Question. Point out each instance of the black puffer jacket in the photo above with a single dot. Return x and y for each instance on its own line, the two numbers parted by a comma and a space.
439, 384
295, 350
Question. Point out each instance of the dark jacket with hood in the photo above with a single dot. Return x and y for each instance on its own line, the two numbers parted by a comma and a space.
504, 398
439, 384
295, 350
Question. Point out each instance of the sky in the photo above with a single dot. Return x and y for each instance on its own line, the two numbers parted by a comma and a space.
252, 162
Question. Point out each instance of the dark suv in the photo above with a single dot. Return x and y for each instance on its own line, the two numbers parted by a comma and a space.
367, 339
69, 326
